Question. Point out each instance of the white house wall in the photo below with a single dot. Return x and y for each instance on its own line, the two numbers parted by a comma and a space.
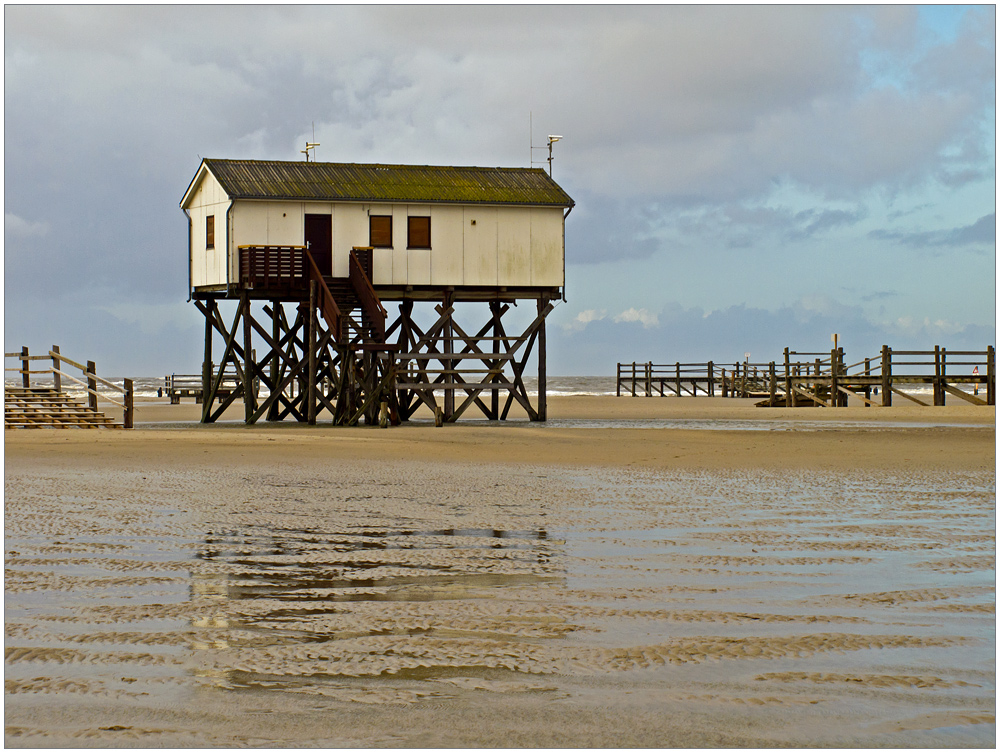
546, 246
447, 241
208, 265
480, 246
514, 247
471, 245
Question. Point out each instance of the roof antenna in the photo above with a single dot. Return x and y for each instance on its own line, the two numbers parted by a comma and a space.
312, 145
552, 139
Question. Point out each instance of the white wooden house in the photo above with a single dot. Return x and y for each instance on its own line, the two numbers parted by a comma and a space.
431, 228
327, 245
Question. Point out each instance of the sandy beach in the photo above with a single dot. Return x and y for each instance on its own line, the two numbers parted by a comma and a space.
635, 572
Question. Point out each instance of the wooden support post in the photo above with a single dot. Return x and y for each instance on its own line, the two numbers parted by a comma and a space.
542, 369
25, 367
725, 389
711, 379
677, 374
868, 387
886, 376
991, 387
938, 376
56, 367
789, 393
92, 385
128, 418
276, 313
649, 378
633, 375
495, 393
618, 380
311, 344
773, 386
449, 364
249, 400
834, 395
207, 372
842, 375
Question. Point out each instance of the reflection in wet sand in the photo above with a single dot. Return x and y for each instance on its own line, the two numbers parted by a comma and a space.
737, 607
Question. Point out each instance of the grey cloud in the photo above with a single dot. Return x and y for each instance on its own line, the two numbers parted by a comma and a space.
879, 295
816, 221
980, 232
689, 335
679, 120
602, 229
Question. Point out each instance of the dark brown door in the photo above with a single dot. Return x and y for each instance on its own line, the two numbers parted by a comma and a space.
319, 238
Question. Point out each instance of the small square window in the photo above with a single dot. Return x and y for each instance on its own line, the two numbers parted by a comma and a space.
418, 232
210, 231
380, 231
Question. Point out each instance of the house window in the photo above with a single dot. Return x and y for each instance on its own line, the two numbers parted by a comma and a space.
380, 230
418, 232
210, 231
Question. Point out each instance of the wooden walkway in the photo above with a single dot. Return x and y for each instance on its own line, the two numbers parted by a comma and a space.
824, 379
48, 406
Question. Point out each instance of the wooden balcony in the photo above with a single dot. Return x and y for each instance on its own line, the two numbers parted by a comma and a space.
274, 269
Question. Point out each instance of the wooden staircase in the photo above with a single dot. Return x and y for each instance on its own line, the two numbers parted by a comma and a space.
44, 407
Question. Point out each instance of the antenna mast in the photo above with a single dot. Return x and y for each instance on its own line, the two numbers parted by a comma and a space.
312, 145
552, 139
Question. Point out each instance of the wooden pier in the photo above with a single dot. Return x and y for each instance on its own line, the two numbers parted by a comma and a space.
824, 379
33, 404
178, 386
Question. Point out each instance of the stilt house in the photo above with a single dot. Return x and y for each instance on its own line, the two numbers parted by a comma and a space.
340, 241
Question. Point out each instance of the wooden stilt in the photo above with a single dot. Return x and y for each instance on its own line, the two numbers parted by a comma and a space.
449, 363
311, 372
886, 376
542, 370
206, 364
249, 402
276, 313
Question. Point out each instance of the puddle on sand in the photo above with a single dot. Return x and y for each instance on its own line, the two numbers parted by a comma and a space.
685, 588
733, 424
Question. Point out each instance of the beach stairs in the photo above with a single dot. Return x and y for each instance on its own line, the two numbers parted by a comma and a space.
45, 407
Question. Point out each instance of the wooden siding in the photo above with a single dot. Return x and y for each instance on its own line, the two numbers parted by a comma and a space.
507, 246
480, 246
208, 265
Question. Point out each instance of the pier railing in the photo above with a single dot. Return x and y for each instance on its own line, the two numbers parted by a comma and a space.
177, 386
88, 379
823, 378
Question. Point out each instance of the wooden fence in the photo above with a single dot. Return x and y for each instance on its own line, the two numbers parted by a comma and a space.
88, 380
804, 378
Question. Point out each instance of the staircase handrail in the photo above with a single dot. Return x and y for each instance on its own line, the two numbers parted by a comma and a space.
366, 293
127, 389
327, 304
91, 391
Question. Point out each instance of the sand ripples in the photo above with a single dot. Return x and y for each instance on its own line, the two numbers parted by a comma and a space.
441, 586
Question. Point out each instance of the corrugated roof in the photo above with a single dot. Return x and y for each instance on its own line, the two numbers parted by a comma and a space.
330, 181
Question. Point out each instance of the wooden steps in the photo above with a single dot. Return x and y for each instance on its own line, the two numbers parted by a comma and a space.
44, 407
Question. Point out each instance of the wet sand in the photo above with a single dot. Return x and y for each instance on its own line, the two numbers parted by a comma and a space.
732, 576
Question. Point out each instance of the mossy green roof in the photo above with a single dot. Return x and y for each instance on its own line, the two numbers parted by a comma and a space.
330, 181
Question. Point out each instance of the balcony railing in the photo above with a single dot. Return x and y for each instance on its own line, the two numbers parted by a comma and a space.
273, 268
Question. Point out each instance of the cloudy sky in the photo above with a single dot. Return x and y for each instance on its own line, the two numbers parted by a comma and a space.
746, 178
